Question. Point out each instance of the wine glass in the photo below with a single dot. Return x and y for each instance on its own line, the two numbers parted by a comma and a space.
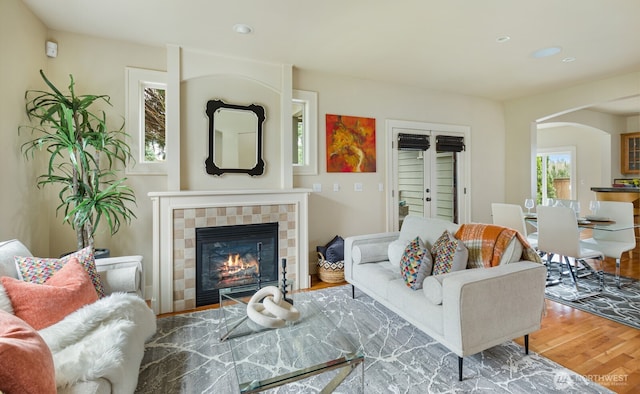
594, 206
528, 203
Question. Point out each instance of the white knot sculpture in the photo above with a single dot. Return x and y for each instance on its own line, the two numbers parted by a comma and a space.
269, 309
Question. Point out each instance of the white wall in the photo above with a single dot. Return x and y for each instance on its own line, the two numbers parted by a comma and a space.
195, 138
98, 67
23, 211
348, 212
592, 151
633, 124
522, 114
612, 125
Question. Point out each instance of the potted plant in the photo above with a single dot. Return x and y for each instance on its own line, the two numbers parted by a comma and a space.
82, 157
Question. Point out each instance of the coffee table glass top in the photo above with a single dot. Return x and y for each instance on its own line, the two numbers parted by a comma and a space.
270, 357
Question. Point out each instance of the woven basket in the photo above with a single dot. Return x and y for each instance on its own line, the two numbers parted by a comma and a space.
330, 272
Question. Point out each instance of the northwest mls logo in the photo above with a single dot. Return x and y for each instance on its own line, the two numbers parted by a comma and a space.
562, 380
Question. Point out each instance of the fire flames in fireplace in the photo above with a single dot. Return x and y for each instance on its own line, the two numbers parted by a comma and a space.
237, 270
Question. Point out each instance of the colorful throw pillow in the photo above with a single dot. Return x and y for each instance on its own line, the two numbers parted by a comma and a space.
449, 254
38, 270
415, 264
26, 364
42, 305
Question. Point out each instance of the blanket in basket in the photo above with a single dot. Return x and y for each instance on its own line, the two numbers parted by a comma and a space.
487, 243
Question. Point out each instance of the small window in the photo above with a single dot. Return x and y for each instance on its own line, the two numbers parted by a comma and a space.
305, 132
146, 120
155, 130
556, 174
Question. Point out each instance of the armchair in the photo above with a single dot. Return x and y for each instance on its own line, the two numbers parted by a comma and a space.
96, 348
122, 274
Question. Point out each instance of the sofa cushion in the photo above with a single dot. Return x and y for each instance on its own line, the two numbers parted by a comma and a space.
512, 253
377, 276
369, 253
415, 264
38, 270
449, 254
43, 305
9, 249
395, 251
432, 289
26, 363
428, 229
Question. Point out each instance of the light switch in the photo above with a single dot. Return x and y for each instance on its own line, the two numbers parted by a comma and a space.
380, 187
357, 186
317, 187
336, 187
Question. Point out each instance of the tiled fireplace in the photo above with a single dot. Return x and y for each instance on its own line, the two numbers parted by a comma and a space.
235, 255
177, 215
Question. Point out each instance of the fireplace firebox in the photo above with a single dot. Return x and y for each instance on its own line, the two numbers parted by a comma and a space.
235, 255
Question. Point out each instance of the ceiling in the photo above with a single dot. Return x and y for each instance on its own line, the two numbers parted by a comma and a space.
450, 46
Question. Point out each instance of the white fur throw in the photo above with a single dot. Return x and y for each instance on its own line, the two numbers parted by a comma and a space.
102, 340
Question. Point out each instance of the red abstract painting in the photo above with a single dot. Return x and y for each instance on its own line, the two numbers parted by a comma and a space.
351, 144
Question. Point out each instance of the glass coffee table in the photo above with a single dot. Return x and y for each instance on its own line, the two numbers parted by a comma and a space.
265, 358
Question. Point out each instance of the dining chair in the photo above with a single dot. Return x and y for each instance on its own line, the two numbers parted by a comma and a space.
563, 203
573, 204
558, 234
613, 243
512, 216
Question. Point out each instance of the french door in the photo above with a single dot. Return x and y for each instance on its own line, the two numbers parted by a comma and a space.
428, 173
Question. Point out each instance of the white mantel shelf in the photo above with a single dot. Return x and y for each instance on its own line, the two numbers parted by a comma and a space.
240, 192
166, 202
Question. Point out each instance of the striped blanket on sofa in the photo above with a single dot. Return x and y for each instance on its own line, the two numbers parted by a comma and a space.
487, 243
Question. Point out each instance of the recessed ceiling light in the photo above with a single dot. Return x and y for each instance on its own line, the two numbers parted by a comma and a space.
569, 59
241, 28
502, 39
546, 52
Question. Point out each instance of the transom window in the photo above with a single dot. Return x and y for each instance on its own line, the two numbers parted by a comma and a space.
146, 120
305, 132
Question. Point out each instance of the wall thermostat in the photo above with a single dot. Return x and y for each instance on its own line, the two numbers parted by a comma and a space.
51, 49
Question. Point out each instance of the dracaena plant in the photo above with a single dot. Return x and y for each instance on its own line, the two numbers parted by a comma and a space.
82, 154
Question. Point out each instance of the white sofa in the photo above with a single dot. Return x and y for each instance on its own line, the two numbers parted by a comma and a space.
123, 309
479, 309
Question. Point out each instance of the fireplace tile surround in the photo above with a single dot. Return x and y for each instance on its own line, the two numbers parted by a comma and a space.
176, 215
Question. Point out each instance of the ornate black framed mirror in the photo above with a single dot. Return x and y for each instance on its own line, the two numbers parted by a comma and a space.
235, 138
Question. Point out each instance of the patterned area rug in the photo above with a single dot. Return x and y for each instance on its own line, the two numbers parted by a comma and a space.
186, 356
620, 305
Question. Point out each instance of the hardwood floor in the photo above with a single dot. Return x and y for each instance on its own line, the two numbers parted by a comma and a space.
600, 349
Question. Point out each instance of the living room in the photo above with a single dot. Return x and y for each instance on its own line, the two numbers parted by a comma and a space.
500, 136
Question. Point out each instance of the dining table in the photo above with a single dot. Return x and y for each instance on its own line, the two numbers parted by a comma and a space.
584, 223
594, 223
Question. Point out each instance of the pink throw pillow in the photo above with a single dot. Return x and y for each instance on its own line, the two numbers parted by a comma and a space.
26, 364
38, 269
43, 305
